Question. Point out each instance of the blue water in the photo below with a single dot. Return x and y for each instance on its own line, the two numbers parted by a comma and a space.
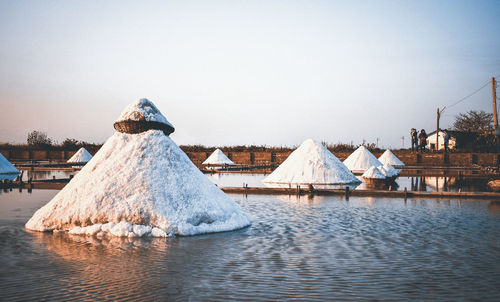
319, 248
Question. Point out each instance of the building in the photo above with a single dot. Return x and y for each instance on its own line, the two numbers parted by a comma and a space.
458, 140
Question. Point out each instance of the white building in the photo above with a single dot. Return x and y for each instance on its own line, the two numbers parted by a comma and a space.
431, 141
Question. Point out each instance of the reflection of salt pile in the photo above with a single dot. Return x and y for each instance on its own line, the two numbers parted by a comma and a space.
389, 158
218, 158
81, 156
361, 160
138, 185
311, 163
6, 167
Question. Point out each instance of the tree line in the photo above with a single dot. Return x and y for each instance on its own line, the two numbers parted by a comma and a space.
478, 122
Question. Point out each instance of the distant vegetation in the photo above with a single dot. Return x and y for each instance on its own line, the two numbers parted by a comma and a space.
38, 140
480, 123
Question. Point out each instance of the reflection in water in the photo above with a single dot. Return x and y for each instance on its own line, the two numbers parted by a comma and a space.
315, 186
412, 183
494, 207
47, 174
298, 247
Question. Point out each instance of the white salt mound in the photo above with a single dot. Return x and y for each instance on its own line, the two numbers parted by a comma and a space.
218, 158
140, 185
143, 110
6, 167
81, 156
388, 170
389, 158
311, 163
373, 173
361, 160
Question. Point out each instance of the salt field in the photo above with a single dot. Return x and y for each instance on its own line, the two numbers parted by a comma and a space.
305, 248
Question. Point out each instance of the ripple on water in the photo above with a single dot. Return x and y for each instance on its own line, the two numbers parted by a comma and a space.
297, 248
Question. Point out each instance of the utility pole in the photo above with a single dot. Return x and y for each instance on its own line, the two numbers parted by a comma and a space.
494, 94
439, 112
403, 139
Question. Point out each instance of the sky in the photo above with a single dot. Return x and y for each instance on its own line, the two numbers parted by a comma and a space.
246, 72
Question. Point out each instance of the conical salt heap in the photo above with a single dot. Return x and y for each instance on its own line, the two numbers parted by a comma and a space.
389, 158
140, 185
81, 156
6, 167
311, 163
374, 173
361, 160
388, 170
218, 158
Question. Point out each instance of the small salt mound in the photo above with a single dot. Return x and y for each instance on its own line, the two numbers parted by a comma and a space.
391, 171
6, 167
81, 156
373, 173
311, 163
218, 158
361, 159
140, 184
388, 170
143, 110
389, 158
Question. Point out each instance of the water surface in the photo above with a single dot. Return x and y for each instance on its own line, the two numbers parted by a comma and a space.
307, 248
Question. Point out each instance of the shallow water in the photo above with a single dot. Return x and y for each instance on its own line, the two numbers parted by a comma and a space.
412, 183
297, 248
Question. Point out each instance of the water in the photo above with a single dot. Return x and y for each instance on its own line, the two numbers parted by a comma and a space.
412, 183
319, 248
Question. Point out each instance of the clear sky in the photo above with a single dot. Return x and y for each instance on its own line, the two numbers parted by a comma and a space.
245, 72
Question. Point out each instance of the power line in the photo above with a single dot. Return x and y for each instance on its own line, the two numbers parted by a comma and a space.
469, 95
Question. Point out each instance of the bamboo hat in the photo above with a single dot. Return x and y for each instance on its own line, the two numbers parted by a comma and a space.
142, 116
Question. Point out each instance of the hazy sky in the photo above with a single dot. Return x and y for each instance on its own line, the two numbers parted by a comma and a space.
245, 72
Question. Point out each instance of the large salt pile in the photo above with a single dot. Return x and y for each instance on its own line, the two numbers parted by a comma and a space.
389, 158
361, 160
218, 158
311, 163
6, 167
140, 184
81, 156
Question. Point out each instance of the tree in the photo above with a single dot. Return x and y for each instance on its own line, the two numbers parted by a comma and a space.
70, 143
474, 121
38, 139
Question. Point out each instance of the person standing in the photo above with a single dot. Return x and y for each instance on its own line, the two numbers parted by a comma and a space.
414, 139
422, 137
446, 139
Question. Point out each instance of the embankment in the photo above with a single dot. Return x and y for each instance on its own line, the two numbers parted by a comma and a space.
454, 159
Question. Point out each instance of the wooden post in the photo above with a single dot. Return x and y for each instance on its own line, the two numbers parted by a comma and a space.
495, 117
406, 193
437, 129
494, 94
347, 193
